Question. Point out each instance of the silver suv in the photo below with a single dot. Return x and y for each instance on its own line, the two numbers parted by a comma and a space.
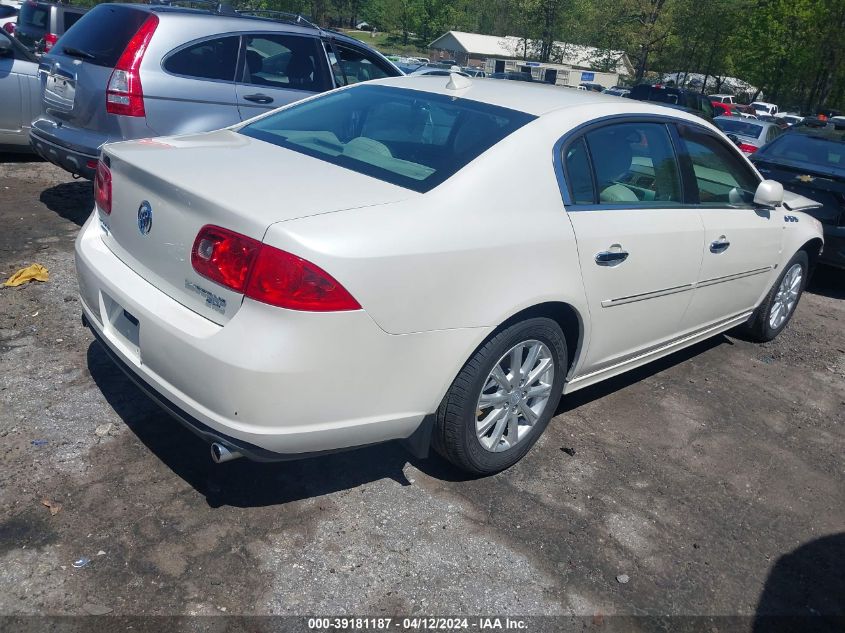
128, 71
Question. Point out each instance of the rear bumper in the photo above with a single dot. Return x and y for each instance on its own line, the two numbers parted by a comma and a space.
270, 383
73, 159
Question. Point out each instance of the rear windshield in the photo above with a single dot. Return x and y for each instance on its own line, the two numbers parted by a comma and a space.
409, 138
743, 128
103, 33
822, 152
7, 11
34, 16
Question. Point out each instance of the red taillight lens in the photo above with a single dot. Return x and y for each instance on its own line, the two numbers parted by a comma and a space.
748, 149
124, 94
102, 188
9, 27
224, 256
266, 274
288, 281
49, 41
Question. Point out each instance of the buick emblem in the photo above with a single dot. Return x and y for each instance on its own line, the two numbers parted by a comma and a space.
145, 217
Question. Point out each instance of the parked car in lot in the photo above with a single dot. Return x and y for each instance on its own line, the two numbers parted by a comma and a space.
514, 76
676, 98
750, 135
763, 107
20, 100
8, 18
403, 288
40, 24
724, 109
790, 118
617, 91
721, 99
438, 72
474, 72
132, 71
811, 162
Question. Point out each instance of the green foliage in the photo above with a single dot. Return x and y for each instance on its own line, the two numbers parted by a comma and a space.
792, 50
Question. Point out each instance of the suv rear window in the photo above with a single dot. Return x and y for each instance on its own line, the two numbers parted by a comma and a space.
405, 137
34, 16
104, 32
7, 11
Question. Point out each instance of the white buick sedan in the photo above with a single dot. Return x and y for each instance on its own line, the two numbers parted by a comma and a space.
433, 259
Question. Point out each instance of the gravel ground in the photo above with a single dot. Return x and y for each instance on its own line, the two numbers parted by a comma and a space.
712, 479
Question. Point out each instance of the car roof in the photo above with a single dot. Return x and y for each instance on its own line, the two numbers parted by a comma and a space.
240, 22
533, 98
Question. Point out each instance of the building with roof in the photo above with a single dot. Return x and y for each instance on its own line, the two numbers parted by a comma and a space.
473, 49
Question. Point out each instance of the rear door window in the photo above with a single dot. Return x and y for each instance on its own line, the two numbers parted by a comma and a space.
352, 65
285, 61
578, 173
214, 59
634, 164
104, 32
70, 18
36, 16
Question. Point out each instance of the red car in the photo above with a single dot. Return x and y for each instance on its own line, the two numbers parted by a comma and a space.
723, 109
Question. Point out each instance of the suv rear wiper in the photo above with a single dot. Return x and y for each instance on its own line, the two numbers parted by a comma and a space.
75, 52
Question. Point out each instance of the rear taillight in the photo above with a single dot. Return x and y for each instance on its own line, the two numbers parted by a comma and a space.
9, 27
224, 256
124, 94
288, 281
102, 187
50, 41
748, 149
267, 274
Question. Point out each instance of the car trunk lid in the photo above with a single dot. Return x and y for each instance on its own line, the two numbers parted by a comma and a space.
820, 186
224, 179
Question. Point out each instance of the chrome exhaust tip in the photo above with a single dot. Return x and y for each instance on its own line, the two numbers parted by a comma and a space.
220, 454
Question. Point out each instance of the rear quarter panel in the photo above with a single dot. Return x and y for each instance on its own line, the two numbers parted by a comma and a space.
492, 240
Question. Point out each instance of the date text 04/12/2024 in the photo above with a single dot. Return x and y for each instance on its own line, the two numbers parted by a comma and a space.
417, 623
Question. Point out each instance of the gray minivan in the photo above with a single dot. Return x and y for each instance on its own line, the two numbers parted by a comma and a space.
128, 71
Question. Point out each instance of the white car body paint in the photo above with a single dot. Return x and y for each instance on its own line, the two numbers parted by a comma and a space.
435, 273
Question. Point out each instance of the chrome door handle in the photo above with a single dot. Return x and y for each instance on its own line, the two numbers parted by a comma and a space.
720, 245
259, 98
611, 258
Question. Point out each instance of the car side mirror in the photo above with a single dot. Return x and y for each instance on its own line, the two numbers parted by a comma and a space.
769, 194
734, 139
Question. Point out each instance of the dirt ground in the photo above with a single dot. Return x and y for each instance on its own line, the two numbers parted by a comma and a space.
713, 479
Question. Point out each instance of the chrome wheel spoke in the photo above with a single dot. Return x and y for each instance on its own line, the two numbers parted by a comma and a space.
483, 427
488, 400
540, 391
514, 396
528, 413
786, 296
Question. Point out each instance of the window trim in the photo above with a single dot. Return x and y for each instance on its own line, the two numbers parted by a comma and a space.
671, 122
206, 38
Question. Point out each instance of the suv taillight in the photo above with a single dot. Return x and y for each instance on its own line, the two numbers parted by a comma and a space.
748, 149
102, 187
124, 94
267, 274
50, 41
9, 27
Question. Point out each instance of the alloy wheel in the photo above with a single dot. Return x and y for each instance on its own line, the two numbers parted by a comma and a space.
514, 395
786, 296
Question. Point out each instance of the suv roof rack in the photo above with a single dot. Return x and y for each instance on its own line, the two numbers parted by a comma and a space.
224, 8
278, 16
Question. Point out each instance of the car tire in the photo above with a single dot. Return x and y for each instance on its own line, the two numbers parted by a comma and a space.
772, 316
487, 386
